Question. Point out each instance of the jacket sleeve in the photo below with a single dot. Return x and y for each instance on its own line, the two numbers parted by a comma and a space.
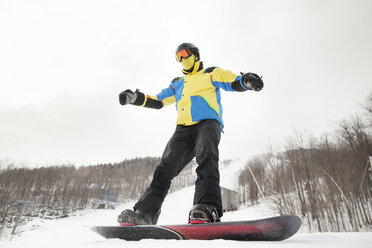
164, 98
227, 80
167, 95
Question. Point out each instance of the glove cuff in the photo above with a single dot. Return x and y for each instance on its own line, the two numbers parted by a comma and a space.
238, 85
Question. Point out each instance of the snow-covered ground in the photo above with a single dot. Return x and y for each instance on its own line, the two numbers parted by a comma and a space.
74, 232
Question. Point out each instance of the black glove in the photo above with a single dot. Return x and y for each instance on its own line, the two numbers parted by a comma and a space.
252, 81
127, 97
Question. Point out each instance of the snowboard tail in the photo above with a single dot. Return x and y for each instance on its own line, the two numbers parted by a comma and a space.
270, 229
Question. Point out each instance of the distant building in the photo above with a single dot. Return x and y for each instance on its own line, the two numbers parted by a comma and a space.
106, 200
230, 199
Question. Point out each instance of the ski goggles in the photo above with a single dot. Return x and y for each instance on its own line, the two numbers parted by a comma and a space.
183, 54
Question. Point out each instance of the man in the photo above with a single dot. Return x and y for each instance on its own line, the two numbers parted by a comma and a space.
199, 125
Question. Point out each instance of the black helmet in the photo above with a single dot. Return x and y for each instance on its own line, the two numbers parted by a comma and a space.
193, 49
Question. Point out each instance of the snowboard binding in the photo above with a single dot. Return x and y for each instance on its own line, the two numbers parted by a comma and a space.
132, 218
203, 213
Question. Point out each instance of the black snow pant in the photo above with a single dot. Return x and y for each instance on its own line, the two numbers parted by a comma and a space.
200, 141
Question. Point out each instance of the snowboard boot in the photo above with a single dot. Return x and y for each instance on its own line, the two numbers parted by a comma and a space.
203, 213
131, 218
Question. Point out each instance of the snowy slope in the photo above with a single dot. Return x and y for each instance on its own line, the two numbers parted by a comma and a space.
73, 231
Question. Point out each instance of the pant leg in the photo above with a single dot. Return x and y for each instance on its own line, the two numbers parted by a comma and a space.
177, 154
207, 186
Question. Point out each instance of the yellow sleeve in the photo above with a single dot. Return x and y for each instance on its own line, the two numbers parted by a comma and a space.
223, 76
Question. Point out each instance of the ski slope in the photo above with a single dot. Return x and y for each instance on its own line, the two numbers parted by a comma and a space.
74, 232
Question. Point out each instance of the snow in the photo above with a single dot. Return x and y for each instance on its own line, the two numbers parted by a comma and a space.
74, 231
229, 173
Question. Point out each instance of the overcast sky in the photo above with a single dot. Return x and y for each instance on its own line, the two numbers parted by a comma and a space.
63, 64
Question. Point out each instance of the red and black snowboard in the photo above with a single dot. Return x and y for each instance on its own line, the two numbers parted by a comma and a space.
271, 229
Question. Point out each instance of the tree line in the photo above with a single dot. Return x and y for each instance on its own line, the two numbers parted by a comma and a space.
60, 190
326, 180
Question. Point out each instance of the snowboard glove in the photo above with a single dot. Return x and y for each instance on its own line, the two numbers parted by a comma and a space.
130, 97
252, 81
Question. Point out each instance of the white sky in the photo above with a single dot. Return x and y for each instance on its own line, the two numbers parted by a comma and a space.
63, 64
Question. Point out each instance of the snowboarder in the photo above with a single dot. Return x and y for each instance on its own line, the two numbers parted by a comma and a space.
197, 134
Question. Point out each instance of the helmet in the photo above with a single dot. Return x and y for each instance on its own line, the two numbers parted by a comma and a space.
193, 49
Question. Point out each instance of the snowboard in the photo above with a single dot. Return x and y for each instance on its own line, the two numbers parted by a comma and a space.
270, 229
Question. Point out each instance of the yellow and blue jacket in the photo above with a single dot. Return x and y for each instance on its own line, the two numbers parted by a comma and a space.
197, 95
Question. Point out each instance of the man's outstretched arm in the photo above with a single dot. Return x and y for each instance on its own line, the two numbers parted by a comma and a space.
139, 99
164, 98
248, 81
